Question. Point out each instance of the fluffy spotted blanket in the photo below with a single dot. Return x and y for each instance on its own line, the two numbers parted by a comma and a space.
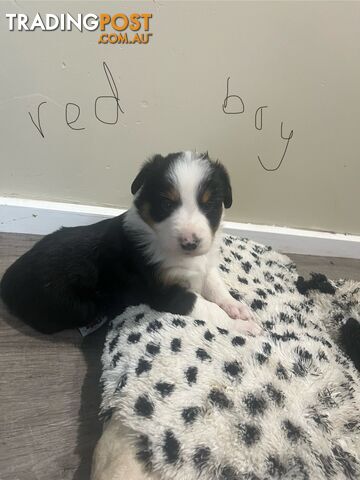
211, 404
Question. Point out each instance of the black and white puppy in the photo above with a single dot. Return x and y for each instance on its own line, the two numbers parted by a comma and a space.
163, 252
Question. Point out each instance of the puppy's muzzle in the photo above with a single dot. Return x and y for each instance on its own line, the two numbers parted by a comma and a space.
189, 243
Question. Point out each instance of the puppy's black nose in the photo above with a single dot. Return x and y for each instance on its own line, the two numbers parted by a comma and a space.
189, 244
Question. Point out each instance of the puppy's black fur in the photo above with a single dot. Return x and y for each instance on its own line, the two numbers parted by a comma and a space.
77, 275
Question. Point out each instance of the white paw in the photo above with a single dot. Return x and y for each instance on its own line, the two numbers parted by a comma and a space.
243, 316
237, 310
215, 313
248, 326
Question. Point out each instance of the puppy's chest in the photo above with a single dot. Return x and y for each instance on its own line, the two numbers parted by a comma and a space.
189, 273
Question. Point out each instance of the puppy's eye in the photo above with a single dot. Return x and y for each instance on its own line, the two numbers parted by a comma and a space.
167, 204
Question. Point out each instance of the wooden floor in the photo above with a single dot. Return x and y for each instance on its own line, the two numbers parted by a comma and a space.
49, 385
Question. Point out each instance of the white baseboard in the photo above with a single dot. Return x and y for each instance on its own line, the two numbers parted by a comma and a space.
18, 215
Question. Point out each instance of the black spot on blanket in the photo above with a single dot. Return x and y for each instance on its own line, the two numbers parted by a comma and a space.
293, 432
233, 368
269, 325
327, 465
258, 304
322, 356
276, 395
318, 282
134, 337
298, 469
285, 318
268, 277
113, 343
348, 462
154, 326
209, 336
243, 280
202, 354
228, 473
223, 331
260, 358
267, 348
171, 447
122, 382
255, 404
274, 466
201, 457
261, 293
223, 268
191, 375
164, 388
139, 316
235, 294
144, 452
285, 337
198, 322
190, 414
144, 406
115, 359
179, 322
175, 345
143, 366
238, 341
249, 433
152, 348
246, 266
219, 399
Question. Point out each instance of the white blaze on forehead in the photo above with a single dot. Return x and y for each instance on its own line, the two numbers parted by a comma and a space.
187, 173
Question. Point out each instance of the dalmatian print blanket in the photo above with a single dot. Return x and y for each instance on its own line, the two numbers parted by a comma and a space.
211, 404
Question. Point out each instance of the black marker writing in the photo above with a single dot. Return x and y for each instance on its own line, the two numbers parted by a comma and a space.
114, 96
260, 109
75, 120
38, 124
72, 110
225, 103
258, 124
283, 156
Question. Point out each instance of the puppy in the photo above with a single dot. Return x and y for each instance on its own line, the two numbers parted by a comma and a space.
163, 252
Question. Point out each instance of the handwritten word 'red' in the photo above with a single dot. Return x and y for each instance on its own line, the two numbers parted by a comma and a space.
236, 106
73, 111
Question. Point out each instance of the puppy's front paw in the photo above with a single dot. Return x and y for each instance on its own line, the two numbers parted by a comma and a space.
248, 326
237, 310
243, 316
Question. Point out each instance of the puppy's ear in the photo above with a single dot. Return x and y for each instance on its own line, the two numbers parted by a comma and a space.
140, 178
144, 173
225, 179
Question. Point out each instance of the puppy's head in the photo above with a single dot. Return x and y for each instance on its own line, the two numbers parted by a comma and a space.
181, 197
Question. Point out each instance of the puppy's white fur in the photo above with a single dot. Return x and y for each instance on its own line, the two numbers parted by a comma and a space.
196, 271
114, 458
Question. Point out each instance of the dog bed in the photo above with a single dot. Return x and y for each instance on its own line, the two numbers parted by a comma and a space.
209, 403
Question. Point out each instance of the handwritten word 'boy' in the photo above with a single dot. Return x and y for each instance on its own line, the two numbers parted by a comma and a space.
237, 107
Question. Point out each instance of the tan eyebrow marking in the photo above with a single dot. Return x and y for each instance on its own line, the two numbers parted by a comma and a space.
144, 212
205, 197
172, 195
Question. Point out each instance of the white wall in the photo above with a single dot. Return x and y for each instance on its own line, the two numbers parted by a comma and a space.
301, 59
